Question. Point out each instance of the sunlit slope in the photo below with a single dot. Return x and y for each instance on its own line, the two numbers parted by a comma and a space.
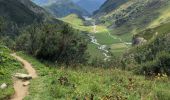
133, 16
102, 34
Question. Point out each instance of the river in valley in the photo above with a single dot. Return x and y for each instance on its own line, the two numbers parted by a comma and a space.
102, 48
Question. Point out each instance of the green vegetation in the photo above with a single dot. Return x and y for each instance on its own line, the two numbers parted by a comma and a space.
97, 83
102, 35
8, 66
77, 22
59, 53
94, 52
62, 45
153, 56
16, 12
130, 17
62, 8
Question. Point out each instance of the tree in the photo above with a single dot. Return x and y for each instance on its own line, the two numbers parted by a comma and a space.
55, 43
2, 25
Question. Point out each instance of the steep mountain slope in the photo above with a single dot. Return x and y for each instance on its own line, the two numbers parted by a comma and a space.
61, 8
90, 5
109, 5
21, 11
131, 16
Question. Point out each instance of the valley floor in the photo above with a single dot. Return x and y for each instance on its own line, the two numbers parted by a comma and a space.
102, 36
97, 83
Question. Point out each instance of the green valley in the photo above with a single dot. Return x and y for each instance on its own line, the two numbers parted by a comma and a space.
102, 34
64, 50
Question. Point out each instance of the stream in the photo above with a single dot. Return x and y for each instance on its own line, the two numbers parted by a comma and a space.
102, 48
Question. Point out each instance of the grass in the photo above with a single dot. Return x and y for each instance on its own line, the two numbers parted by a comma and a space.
76, 22
164, 17
86, 82
92, 49
149, 33
102, 35
8, 66
118, 48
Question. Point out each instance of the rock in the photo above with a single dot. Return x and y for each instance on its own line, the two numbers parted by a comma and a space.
3, 86
23, 76
26, 83
139, 41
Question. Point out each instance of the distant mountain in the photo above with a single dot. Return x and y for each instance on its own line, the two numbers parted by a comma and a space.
90, 5
61, 8
22, 11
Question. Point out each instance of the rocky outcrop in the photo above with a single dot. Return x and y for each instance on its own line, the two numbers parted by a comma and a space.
138, 41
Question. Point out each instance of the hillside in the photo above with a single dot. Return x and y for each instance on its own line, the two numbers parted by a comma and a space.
56, 50
61, 8
153, 55
94, 83
21, 11
8, 66
131, 16
17, 14
109, 6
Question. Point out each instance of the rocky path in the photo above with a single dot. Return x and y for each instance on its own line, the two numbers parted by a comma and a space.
20, 90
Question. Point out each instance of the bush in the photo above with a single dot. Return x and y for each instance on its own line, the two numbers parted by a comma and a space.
153, 56
159, 65
61, 44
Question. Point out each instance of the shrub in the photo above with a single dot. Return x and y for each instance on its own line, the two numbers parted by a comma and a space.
50, 42
160, 65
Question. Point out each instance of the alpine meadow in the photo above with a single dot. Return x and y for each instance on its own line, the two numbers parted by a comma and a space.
84, 49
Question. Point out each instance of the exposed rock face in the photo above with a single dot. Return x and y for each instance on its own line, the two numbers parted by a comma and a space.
23, 76
3, 86
138, 41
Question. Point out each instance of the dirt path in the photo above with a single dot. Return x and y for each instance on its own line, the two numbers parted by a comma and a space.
20, 90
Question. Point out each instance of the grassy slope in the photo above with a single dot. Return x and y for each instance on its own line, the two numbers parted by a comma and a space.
102, 83
102, 36
15, 11
8, 66
149, 16
150, 32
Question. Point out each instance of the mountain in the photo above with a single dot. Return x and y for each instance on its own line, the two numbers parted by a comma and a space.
22, 11
109, 5
132, 16
61, 8
90, 5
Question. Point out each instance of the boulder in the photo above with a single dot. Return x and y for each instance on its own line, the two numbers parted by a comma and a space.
23, 76
139, 41
26, 83
3, 86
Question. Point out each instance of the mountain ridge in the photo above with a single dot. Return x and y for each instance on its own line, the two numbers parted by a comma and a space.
61, 8
132, 15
